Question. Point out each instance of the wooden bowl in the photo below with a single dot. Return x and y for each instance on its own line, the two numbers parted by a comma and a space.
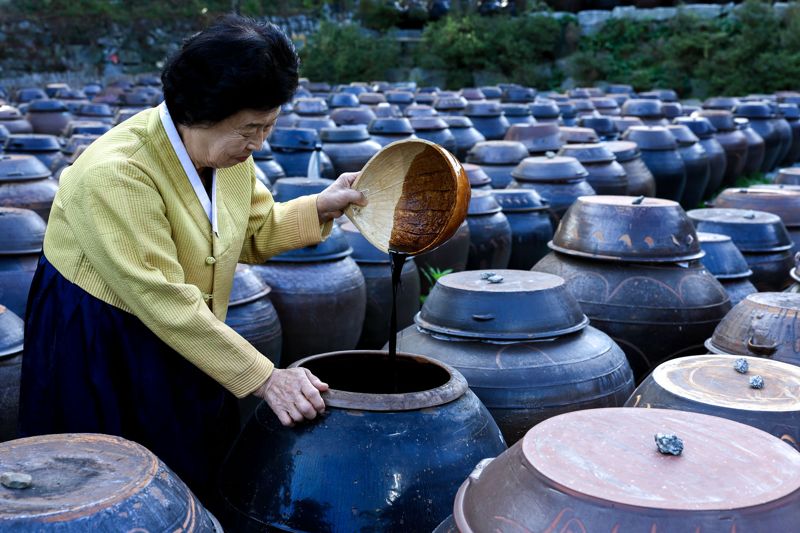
418, 197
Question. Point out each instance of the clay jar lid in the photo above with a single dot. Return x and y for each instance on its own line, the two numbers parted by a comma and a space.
418, 196
582, 106
477, 177
545, 109
700, 126
456, 122
624, 228
574, 135
516, 110
619, 88
723, 259
428, 124
426, 99
47, 106
387, 111
333, 248
391, 126
13, 328
595, 469
8, 112
352, 115
95, 110
651, 137
624, 150
567, 109
683, 134
721, 120
286, 189
751, 231
450, 103
491, 92
22, 168
549, 169
537, 138
400, 97
345, 134
247, 286
303, 139
588, 153
483, 109
518, 94
82, 127
483, 203
492, 305
519, 200
726, 103
623, 123
342, 100
21, 231
641, 107
604, 102
763, 324
420, 110
753, 110
370, 98
602, 125
788, 176
782, 202
32, 142
310, 106
790, 112
497, 153
472, 93
672, 110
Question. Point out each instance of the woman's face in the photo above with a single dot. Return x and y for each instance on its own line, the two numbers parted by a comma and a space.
232, 140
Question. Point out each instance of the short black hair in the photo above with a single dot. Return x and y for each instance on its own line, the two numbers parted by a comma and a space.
236, 63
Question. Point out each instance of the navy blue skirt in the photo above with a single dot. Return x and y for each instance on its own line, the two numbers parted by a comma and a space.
91, 367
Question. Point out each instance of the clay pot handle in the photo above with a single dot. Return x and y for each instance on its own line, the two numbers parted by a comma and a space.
761, 349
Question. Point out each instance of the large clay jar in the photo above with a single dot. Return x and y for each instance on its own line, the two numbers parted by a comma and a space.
48, 116
791, 113
268, 171
726, 263
760, 236
733, 142
760, 117
606, 175
697, 163
632, 265
606, 106
525, 367
348, 116
478, 179
537, 138
532, 225
45, 148
450, 256
600, 470
577, 135
755, 147
717, 158
705, 384
13, 121
397, 438
341, 100
558, 180
498, 159
517, 114
640, 180
784, 130
781, 200
489, 233
21, 237
390, 129
377, 270
434, 129
545, 110
488, 118
401, 99
515, 93
649, 111
11, 337
25, 182
464, 133
602, 125
349, 147
660, 154
92, 482
450, 105
293, 149
320, 295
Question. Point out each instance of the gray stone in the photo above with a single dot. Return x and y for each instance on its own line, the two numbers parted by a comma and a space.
669, 443
15, 480
741, 366
756, 382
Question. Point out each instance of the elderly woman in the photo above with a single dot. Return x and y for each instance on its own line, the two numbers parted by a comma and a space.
125, 330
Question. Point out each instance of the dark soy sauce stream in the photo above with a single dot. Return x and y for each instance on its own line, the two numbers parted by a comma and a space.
398, 260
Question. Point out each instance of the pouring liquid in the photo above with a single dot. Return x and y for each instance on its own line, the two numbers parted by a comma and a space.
398, 260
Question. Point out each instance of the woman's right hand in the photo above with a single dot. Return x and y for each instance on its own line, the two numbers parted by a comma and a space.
293, 394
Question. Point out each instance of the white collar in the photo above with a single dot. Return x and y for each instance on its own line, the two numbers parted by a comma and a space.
210, 205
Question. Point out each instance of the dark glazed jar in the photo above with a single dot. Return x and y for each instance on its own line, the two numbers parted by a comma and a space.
717, 157
726, 263
21, 238
761, 121
537, 138
92, 482
660, 153
425, 431
49, 117
349, 147
488, 118
784, 129
791, 113
376, 268
532, 225
388, 130
525, 367
293, 149
602, 125
464, 133
498, 159
11, 337
755, 147
489, 233
640, 180
558, 180
733, 142
452, 256
649, 111
545, 110
697, 163
517, 114
606, 175
434, 129
401, 99
271, 171
25, 183
45, 148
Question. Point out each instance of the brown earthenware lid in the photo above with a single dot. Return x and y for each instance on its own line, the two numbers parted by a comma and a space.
545, 109
723, 259
549, 169
342, 100
345, 134
399, 97
520, 200
483, 109
788, 176
624, 150
782, 202
725, 103
651, 137
700, 126
589, 153
575, 135
420, 110
456, 122
683, 134
21, 167
497, 153
472, 93
310, 106
483, 203
477, 177
623, 123
21, 231
642, 107
753, 110
537, 138
625, 228
450, 103
371, 98
346, 116
8, 112
751, 231
721, 120
391, 126
428, 123
247, 286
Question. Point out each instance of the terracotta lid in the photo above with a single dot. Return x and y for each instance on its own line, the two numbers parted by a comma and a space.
318, 87
575, 135
683, 134
492, 92
520, 200
286, 189
47, 106
519, 94
345, 134
22, 168
13, 328
21, 231
455, 122
347, 116
751, 231
580, 93
721, 120
420, 110
400, 97
623, 123
247, 286
391, 126
603, 102
537, 138
490, 305
624, 150
603, 125
342, 100
567, 109
665, 95
497, 153
29, 94
516, 110
782, 202
387, 110
472, 93
370, 98
582, 106
624, 228
304, 139
651, 137
95, 110
428, 124
723, 259
545, 109
310, 106
483, 109
32, 143
700, 126
589, 153
333, 248
672, 110
450, 103
726, 103
549, 169
477, 177
600, 470
753, 110
640, 107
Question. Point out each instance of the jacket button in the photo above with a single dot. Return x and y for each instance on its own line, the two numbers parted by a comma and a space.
210, 260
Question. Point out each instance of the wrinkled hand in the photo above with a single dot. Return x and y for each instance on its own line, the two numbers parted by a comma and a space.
293, 394
332, 202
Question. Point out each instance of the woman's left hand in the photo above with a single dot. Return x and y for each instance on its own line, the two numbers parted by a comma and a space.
332, 202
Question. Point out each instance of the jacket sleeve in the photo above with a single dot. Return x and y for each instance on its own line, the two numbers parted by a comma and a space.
274, 228
120, 221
